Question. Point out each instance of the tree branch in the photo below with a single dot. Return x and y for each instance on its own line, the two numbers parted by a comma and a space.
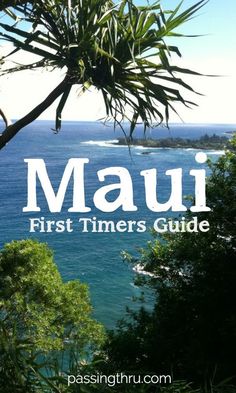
5, 119
13, 129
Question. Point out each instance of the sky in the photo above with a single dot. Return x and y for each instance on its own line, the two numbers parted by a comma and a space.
214, 53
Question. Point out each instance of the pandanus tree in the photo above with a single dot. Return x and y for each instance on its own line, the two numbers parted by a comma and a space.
118, 48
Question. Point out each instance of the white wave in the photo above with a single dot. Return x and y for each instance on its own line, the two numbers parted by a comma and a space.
216, 152
150, 147
140, 147
140, 270
108, 143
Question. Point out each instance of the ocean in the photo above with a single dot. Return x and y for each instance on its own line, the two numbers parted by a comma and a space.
92, 257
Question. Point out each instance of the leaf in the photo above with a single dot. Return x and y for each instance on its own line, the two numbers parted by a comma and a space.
119, 48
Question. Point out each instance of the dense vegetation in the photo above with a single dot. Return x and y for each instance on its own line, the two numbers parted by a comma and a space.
204, 142
191, 331
41, 318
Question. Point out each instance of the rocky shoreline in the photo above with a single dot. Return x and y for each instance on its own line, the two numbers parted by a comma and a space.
205, 142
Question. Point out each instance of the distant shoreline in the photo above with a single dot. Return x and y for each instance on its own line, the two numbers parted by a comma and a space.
205, 142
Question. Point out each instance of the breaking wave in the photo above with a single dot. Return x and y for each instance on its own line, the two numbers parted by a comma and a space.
108, 143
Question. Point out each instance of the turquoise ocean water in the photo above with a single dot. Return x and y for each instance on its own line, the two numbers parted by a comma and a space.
92, 257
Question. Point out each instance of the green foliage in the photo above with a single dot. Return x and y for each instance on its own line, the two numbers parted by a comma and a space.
205, 142
22, 368
38, 304
45, 324
119, 48
191, 330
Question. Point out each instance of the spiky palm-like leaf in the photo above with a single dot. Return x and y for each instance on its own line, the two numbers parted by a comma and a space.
119, 49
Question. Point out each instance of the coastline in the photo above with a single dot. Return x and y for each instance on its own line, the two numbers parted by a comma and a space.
205, 142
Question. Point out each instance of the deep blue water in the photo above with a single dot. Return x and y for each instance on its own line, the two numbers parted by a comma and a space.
92, 257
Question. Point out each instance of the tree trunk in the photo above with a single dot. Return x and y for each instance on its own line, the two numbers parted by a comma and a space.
13, 129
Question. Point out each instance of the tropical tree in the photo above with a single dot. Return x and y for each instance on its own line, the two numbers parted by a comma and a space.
45, 323
191, 330
38, 304
118, 48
